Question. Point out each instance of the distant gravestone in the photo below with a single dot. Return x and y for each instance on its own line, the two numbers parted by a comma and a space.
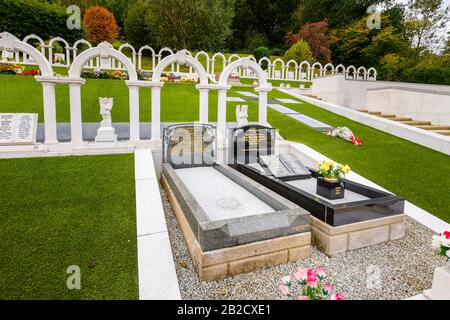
18, 129
251, 142
189, 145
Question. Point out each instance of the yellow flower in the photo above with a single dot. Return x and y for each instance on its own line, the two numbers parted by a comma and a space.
346, 169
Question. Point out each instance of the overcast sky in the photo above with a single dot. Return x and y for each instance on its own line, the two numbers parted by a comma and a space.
447, 2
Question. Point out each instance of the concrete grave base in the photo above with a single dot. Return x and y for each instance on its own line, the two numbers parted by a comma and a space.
334, 240
223, 263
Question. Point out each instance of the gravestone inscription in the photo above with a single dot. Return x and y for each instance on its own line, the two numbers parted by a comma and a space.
18, 128
251, 142
189, 145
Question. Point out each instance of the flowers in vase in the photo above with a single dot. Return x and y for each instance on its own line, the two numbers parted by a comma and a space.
442, 243
309, 284
333, 171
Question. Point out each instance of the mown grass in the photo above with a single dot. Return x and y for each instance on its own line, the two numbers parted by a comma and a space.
59, 212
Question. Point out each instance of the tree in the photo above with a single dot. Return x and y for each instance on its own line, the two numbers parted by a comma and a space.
337, 12
425, 20
270, 18
317, 36
299, 52
190, 24
262, 52
136, 28
100, 25
118, 7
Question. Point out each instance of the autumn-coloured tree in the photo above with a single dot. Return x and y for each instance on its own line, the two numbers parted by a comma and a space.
100, 25
318, 38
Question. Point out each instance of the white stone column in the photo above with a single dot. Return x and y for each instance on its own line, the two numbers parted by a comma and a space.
204, 103
140, 61
49, 99
76, 122
222, 114
263, 94
156, 111
135, 131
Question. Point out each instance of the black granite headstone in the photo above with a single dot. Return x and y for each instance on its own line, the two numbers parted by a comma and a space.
189, 145
251, 142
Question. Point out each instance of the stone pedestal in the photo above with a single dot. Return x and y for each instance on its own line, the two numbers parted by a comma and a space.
441, 285
106, 135
334, 240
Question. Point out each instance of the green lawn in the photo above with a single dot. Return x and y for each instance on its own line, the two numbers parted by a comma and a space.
58, 212
417, 173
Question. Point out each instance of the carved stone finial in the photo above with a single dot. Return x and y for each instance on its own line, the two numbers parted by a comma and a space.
105, 48
182, 55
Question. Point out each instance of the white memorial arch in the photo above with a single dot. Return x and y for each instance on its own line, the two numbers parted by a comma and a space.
11, 44
181, 58
105, 52
263, 90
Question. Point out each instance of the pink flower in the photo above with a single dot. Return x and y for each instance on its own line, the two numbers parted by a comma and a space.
284, 289
328, 288
311, 276
311, 273
301, 274
312, 284
337, 296
321, 274
303, 298
286, 280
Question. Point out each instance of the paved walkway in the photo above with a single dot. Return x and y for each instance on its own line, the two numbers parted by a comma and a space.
156, 269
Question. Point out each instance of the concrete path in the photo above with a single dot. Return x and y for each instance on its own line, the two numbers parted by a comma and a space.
156, 269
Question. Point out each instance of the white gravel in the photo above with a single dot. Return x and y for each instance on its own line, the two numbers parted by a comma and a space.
405, 268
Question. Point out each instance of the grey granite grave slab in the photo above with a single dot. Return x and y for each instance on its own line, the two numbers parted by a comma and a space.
248, 94
229, 200
282, 109
288, 101
235, 99
215, 210
310, 122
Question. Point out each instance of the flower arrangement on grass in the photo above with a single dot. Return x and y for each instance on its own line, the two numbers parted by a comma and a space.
345, 134
309, 284
333, 172
99, 74
120, 75
442, 243
16, 69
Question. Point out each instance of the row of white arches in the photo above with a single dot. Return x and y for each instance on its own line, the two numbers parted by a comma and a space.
10, 44
213, 64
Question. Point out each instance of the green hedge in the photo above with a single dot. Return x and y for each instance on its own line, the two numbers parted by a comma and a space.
427, 74
24, 17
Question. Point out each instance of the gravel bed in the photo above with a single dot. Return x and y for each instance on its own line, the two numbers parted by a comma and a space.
405, 268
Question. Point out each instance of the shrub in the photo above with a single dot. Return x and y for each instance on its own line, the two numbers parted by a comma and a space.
100, 25
24, 17
426, 74
299, 52
255, 40
260, 53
